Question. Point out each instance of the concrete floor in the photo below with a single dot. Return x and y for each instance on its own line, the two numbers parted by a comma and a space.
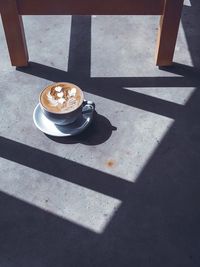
126, 192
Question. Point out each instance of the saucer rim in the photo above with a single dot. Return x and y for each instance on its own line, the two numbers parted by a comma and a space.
79, 130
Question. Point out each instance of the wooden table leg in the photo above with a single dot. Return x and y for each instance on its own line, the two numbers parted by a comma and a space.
168, 30
14, 32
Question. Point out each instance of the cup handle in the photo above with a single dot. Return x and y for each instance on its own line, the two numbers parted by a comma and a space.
90, 106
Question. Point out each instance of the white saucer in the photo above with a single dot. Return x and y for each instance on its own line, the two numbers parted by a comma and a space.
48, 127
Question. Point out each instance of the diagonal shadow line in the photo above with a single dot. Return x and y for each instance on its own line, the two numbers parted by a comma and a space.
189, 72
137, 242
54, 75
79, 61
112, 88
64, 169
79, 65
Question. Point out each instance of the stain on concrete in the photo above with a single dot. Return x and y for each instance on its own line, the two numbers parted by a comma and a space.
110, 163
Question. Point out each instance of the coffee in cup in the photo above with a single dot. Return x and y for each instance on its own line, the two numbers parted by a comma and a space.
62, 102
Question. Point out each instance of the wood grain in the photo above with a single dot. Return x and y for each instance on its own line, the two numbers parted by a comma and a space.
168, 30
90, 7
14, 33
11, 11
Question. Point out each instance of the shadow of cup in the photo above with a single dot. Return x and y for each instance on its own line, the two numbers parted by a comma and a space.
97, 133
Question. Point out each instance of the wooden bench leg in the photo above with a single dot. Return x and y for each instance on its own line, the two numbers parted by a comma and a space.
168, 30
14, 32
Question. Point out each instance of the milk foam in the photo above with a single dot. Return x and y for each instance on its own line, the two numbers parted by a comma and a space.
62, 97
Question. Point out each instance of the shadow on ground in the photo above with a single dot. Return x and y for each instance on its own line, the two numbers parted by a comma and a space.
158, 221
97, 133
156, 225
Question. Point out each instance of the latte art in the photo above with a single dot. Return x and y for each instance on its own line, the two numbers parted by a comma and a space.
61, 97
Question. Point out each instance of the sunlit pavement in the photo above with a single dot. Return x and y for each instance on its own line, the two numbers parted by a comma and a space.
126, 191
